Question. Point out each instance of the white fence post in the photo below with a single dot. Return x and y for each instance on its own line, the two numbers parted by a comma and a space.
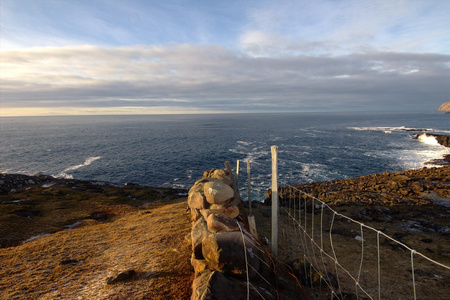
275, 208
249, 188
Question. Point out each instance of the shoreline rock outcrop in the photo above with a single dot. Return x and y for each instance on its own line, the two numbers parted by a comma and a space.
413, 187
445, 107
444, 140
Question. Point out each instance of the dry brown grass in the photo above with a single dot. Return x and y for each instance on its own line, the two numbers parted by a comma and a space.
75, 264
62, 205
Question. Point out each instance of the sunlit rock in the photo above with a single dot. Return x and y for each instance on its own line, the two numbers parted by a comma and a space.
217, 192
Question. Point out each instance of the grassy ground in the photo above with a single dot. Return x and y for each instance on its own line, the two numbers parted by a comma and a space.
121, 229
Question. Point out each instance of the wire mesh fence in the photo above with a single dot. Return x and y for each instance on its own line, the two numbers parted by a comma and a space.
322, 253
339, 257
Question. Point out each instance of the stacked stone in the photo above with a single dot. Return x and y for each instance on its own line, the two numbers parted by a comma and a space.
218, 252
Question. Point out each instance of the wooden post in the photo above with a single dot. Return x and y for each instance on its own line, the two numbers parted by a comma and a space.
249, 188
233, 179
237, 170
275, 208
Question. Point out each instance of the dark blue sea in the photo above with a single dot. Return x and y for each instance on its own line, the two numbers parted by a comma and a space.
174, 150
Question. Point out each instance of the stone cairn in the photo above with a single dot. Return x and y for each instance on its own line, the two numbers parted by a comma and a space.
219, 257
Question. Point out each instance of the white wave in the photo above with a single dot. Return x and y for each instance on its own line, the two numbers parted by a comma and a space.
255, 156
428, 139
244, 143
390, 129
414, 159
87, 162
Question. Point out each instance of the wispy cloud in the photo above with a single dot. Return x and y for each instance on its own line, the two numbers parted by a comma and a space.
161, 56
214, 78
342, 27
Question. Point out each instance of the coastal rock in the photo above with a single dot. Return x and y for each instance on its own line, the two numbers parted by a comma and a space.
220, 174
217, 192
221, 223
198, 233
225, 252
199, 265
122, 277
230, 210
215, 285
444, 140
196, 197
445, 107
384, 189
27, 213
417, 187
195, 214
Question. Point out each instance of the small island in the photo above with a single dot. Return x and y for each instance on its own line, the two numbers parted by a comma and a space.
445, 107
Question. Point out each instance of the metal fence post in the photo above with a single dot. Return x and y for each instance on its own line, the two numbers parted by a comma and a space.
274, 244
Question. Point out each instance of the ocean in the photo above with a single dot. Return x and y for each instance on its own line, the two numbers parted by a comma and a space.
175, 150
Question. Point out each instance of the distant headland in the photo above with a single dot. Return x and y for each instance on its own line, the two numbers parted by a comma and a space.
445, 107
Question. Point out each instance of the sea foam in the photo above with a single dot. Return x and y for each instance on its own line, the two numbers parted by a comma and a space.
87, 162
428, 139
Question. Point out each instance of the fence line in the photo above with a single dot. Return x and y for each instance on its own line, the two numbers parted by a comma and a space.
315, 241
269, 273
315, 253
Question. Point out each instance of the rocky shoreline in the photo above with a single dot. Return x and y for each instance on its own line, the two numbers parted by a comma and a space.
412, 207
414, 187
35, 205
444, 140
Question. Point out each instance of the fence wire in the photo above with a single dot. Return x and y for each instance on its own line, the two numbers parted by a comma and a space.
325, 254
338, 257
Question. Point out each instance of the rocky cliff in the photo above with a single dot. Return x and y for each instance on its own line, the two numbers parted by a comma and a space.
445, 107
444, 140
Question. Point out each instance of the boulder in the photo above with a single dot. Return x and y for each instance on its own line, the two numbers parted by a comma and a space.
220, 174
198, 233
217, 192
230, 210
215, 285
199, 265
207, 212
401, 179
221, 223
196, 197
200, 284
195, 214
225, 252
417, 187
122, 277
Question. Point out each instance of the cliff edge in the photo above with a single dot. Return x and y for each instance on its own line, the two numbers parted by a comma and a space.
445, 107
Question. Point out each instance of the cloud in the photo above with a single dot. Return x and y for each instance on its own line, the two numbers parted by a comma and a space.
184, 77
344, 27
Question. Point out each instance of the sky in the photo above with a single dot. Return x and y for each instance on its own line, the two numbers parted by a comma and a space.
77, 57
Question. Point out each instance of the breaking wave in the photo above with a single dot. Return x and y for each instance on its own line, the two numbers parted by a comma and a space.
87, 162
390, 129
428, 139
